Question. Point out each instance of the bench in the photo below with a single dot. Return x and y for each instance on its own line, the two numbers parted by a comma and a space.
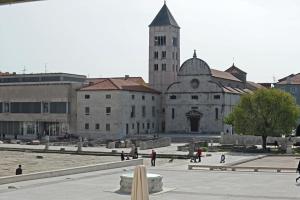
235, 168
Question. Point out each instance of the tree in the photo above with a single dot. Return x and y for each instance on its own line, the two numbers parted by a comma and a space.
265, 112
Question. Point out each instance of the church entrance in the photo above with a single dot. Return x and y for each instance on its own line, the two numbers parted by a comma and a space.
194, 119
298, 131
194, 124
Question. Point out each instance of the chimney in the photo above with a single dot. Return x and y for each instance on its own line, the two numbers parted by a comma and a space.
126, 77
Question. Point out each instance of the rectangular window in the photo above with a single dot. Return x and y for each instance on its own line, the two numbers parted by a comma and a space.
132, 126
144, 111
153, 111
97, 126
143, 126
175, 42
194, 97
6, 107
108, 96
107, 127
172, 97
1, 107
164, 67
153, 125
86, 126
163, 54
25, 107
155, 54
173, 113
87, 110
160, 40
217, 96
58, 107
108, 110
173, 68
217, 113
155, 67
87, 96
143, 97
153, 98
176, 55
148, 125
132, 96
45, 107
132, 114
173, 55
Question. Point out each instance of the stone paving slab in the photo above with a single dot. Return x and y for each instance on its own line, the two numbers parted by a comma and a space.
186, 185
271, 161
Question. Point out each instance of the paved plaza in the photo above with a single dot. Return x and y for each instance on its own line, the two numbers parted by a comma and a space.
178, 184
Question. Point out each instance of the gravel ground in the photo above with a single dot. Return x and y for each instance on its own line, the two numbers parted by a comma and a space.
30, 163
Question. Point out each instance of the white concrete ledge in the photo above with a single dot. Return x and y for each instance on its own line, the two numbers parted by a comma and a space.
70, 171
235, 168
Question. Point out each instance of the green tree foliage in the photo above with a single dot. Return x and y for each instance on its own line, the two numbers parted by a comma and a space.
266, 112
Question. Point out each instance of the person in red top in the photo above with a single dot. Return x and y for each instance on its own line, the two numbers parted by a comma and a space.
199, 154
153, 158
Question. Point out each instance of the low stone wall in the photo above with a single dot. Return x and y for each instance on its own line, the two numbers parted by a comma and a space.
70, 171
253, 140
160, 142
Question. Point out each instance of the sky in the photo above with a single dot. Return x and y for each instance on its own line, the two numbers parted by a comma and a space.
109, 38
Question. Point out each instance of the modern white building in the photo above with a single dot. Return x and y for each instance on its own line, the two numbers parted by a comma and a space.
35, 105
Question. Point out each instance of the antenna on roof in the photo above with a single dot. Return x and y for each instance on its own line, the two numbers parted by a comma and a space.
232, 61
24, 70
45, 68
274, 79
165, 1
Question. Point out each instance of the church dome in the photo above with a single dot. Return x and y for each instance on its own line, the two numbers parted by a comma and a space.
194, 66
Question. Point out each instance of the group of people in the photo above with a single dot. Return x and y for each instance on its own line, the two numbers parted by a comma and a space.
136, 155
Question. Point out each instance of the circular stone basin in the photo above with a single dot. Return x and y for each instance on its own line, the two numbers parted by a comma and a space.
155, 183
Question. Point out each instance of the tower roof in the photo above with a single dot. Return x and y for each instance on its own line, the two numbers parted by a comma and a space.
164, 18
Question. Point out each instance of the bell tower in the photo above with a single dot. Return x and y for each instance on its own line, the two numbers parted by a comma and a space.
164, 50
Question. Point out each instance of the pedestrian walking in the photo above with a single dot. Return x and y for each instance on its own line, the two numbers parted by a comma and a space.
298, 170
222, 158
122, 156
153, 158
136, 154
199, 154
19, 170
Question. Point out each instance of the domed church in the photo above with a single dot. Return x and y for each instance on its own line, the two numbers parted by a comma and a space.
194, 97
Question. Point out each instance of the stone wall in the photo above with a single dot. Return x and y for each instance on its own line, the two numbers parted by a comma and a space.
252, 140
160, 142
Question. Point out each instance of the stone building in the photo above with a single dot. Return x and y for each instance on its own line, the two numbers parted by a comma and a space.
195, 98
112, 108
35, 105
291, 84
191, 98
200, 99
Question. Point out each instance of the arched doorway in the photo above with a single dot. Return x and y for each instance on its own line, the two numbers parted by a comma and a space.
194, 118
298, 131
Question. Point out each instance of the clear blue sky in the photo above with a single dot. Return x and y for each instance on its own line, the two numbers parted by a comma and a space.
110, 38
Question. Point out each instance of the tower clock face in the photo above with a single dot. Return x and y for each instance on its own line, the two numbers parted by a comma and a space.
195, 83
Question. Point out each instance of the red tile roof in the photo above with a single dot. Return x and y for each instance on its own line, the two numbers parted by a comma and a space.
126, 84
224, 75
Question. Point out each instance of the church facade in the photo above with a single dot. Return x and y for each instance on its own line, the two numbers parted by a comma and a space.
195, 98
